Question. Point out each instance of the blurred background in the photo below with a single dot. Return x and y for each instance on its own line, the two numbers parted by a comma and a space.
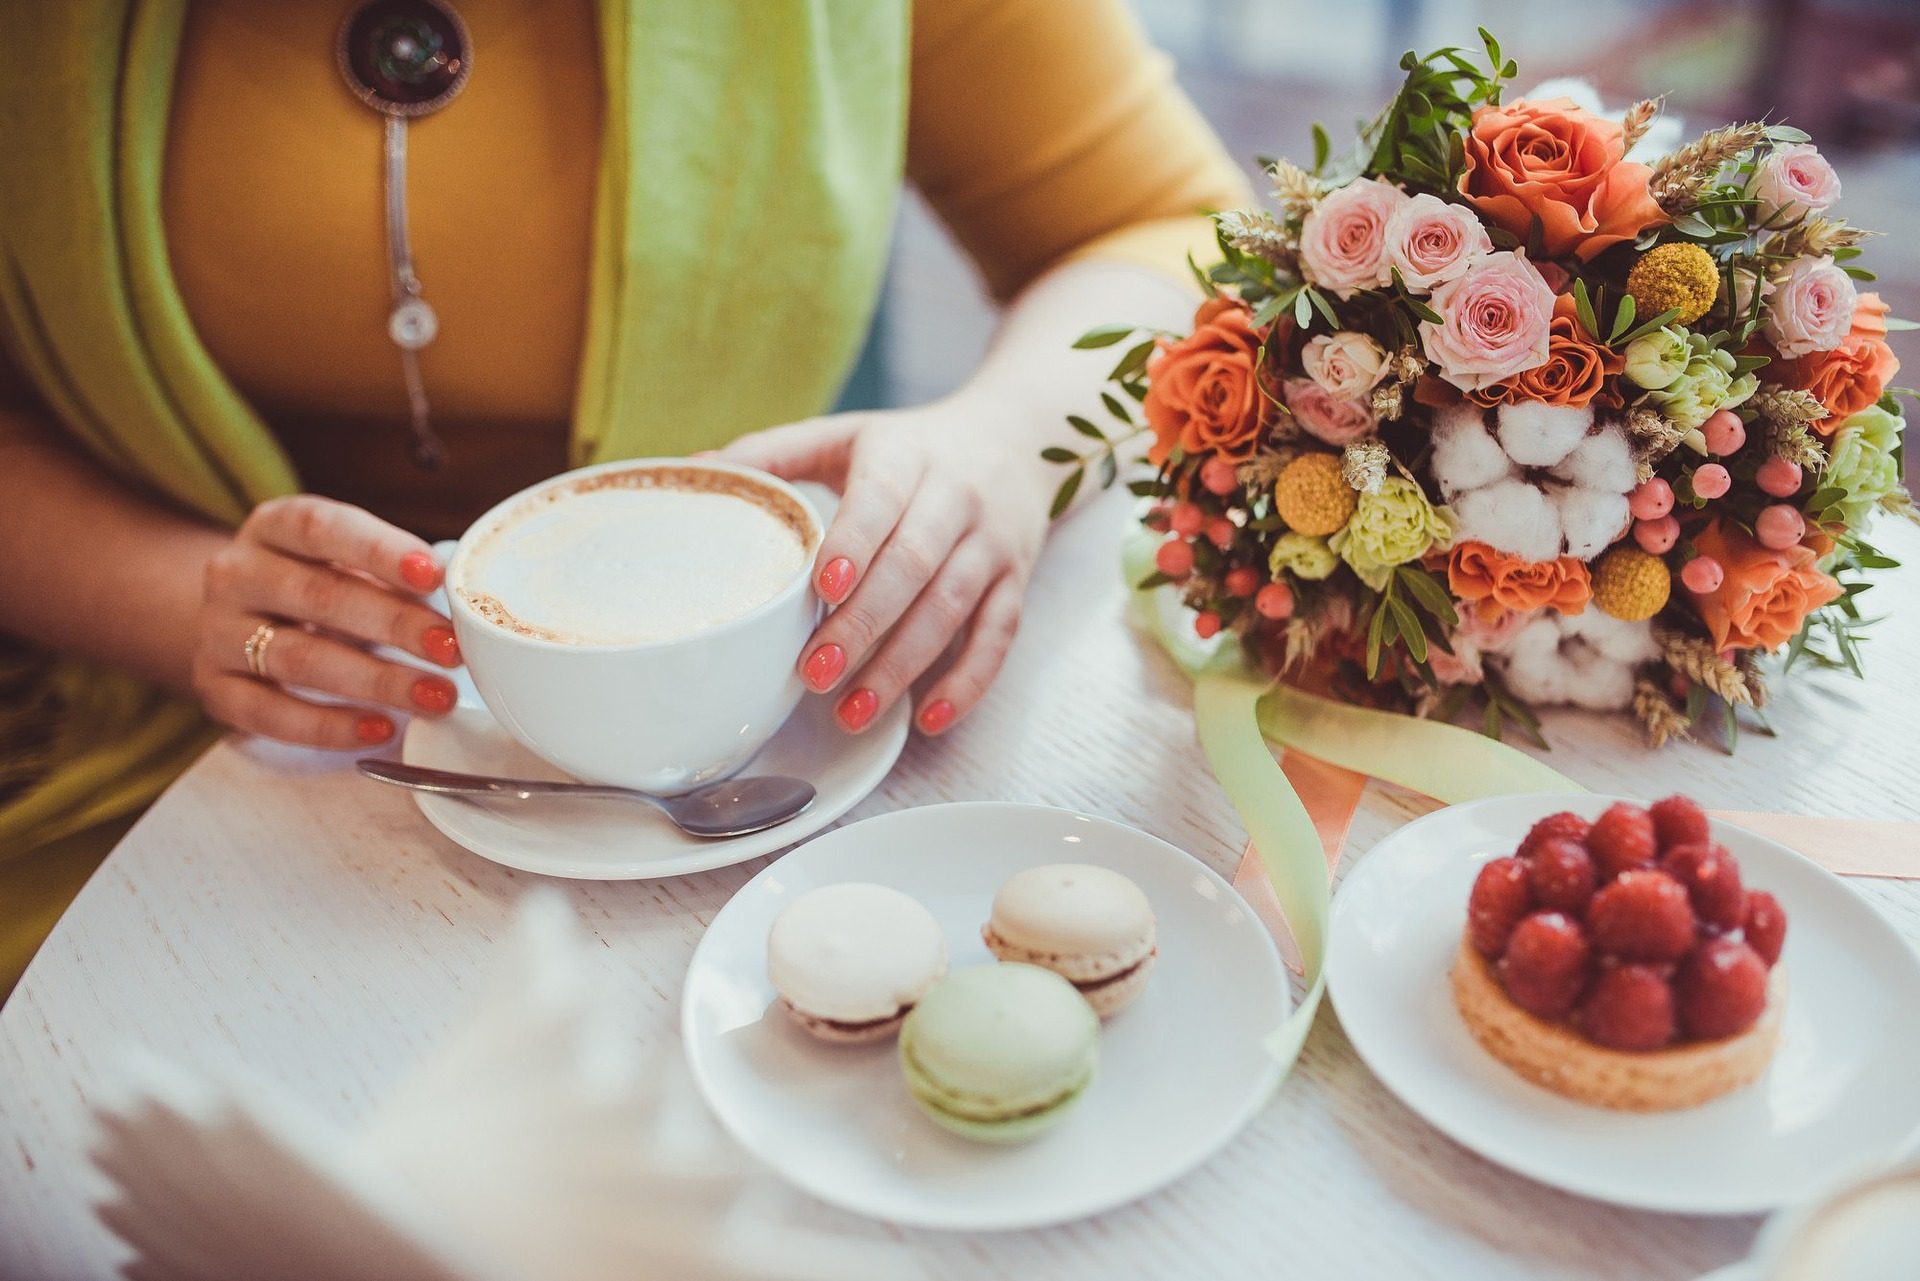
1847, 71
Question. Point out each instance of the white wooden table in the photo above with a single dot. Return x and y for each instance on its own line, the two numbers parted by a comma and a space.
276, 909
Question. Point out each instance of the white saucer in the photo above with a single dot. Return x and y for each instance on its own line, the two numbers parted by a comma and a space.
597, 840
1838, 1097
1181, 1071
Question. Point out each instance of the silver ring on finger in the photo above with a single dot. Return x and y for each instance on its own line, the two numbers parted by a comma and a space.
256, 650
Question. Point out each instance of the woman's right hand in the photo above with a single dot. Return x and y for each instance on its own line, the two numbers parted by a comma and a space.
332, 580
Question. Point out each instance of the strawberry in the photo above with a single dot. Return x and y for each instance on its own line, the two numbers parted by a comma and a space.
1630, 1008
1547, 964
1720, 988
1562, 875
1712, 878
1564, 826
1642, 916
1622, 839
1500, 898
1678, 821
1765, 926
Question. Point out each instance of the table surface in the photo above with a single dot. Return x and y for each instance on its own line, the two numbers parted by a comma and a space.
275, 909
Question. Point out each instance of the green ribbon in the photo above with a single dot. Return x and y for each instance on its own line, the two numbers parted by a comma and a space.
1240, 715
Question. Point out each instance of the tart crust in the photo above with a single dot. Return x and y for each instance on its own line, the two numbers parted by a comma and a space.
1557, 1057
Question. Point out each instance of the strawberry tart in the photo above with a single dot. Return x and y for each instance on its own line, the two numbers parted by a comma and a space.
1623, 963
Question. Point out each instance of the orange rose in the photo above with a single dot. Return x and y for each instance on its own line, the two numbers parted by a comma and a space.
1494, 581
1765, 594
1575, 371
1203, 395
1850, 377
1552, 161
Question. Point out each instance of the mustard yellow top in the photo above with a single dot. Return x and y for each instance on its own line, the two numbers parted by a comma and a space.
1038, 129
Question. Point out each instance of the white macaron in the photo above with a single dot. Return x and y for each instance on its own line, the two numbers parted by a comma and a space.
1090, 925
850, 960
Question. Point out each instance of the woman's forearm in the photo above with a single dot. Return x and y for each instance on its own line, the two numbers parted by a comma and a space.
88, 567
1033, 374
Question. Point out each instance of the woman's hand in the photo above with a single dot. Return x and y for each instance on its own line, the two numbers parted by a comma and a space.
331, 580
942, 516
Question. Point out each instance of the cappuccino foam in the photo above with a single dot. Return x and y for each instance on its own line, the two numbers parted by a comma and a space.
654, 554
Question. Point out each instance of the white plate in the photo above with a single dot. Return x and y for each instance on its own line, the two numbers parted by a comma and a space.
1839, 1096
1180, 1071
598, 840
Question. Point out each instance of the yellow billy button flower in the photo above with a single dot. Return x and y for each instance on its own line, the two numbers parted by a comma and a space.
1312, 496
1630, 584
1674, 275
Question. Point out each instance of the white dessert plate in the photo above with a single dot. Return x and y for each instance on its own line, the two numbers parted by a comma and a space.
596, 840
1838, 1097
1181, 1070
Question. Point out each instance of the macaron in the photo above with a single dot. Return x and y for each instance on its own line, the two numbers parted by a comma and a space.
850, 960
1090, 925
999, 1052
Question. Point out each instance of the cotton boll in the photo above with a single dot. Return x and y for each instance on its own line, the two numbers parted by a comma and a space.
1602, 461
1614, 638
1539, 435
1590, 520
1537, 638
1595, 681
1536, 677
1511, 516
1465, 454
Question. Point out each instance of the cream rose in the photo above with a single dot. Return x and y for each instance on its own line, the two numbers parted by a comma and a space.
1810, 308
1796, 180
1432, 242
1494, 322
1346, 364
1343, 238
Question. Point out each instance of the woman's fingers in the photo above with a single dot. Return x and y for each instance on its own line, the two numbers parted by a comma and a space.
961, 687
259, 708
936, 617
253, 579
817, 449
913, 556
321, 529
880, 483
308, 661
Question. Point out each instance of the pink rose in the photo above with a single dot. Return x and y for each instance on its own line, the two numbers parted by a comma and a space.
1462, 667
1343, 238
1337, 420
1432, 242
1810, 308
1493, 322
1491, 631
1795, 179
1346, 364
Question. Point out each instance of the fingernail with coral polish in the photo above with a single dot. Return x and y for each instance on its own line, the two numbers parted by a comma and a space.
373, 729
420, 570
936, 716
835, 579
857, 708
441, 645
823, 667
434, 694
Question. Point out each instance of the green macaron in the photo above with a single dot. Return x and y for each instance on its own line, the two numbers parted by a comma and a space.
999, 1052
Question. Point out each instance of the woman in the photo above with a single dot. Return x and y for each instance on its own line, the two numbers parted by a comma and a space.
643, 229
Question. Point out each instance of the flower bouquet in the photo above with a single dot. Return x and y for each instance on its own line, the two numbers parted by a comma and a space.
1491, 415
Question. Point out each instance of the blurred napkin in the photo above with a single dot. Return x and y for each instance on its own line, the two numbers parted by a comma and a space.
533, 1142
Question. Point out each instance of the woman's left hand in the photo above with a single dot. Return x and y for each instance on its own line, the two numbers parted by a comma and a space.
942, 516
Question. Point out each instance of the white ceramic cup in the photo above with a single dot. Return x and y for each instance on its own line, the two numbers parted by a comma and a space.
661, 716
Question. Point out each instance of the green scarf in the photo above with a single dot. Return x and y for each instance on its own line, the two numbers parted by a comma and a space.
750, 161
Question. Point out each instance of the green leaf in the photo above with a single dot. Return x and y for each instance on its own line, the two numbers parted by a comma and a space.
1429, 593
1115, 408
1321, 147
1860, 273
1648, 326
1133, 362
1144, 488
1109, 469
1063, 496
1410, 630
1491, 722
1153, 580
1084, 427
1204, 280
1583, 307
1376, 636
1894, 323
1786, 133
1324, 308
1302, 310
1692, 224
1492, 47
1104, 336
1059, 454
1622, 319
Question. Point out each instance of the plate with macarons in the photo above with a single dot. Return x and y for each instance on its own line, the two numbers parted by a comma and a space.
984, 1016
